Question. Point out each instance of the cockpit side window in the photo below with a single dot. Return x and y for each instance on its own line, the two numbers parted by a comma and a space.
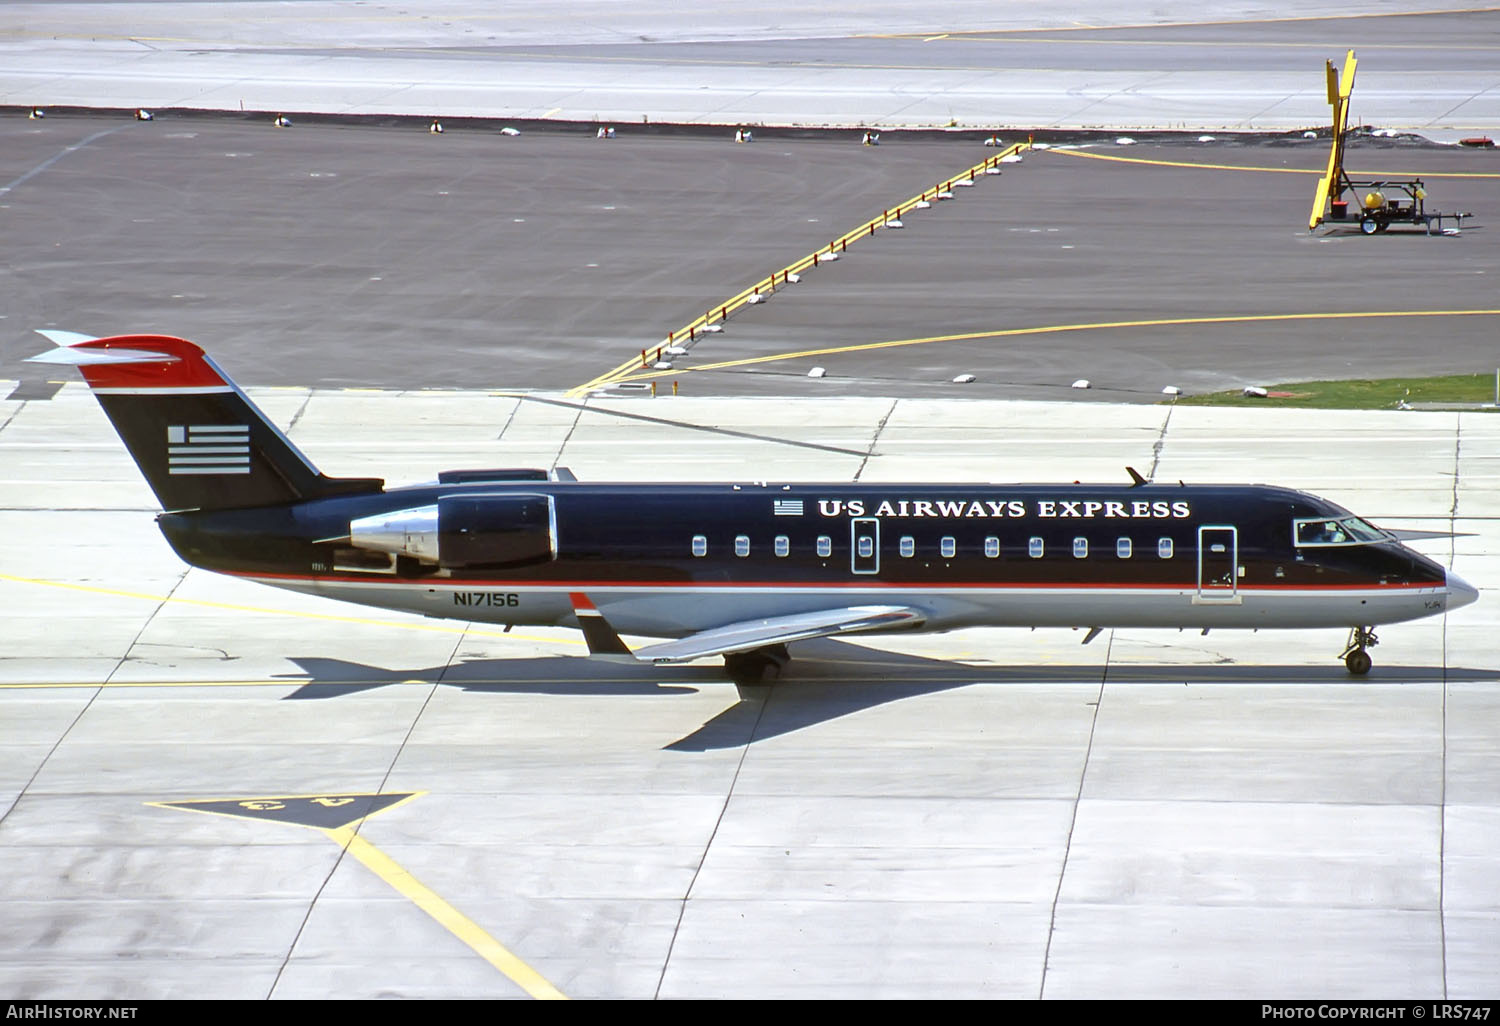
1315, 531
1320, 532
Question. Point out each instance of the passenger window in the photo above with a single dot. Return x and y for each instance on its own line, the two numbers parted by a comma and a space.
742, 545
947, 547
783, 545
700, 545
825, 545
1164, 548
866, 547
1034, 548
908, 546
1122, 548
1080, 548
991, 547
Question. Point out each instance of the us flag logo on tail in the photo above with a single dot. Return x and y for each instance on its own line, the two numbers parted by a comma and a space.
786, 507
208, 449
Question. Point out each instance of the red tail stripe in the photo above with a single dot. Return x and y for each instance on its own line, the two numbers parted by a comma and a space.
188, 370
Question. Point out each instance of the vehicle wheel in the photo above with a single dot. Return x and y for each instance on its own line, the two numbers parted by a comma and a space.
751, 668
1382, 226
1358, 662
1368, 226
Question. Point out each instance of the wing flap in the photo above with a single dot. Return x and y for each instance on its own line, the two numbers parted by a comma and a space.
782, 630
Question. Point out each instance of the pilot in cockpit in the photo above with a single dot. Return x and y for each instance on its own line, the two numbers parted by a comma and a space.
1323, 532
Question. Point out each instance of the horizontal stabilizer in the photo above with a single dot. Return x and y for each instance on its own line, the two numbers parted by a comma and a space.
782, 630
95, 357
65, 338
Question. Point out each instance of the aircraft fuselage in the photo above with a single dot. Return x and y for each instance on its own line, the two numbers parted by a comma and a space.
672, 559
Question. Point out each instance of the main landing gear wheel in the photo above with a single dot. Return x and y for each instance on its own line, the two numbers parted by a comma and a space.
758, 666
1355, 657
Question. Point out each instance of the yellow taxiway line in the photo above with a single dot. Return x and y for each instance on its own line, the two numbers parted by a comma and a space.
718, 314
450, 918
234, 608
1272, 170
59, 685
1050, 329
1206, 23
347, 837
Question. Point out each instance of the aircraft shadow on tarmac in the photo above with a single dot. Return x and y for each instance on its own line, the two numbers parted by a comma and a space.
829, 679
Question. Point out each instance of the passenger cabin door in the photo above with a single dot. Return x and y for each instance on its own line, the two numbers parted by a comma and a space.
1218, 564
864, 545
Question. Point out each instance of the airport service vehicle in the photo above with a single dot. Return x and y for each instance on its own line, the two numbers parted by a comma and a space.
739, 570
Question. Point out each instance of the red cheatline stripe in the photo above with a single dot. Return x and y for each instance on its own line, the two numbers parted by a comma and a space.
458, 584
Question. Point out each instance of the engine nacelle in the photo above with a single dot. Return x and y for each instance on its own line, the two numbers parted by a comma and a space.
465, 531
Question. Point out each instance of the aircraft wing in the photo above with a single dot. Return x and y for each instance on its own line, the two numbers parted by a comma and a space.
747, 634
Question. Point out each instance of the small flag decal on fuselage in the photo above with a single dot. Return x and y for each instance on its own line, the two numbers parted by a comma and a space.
786, 507
208, 449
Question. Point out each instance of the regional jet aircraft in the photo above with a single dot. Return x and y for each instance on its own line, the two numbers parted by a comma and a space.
739, 570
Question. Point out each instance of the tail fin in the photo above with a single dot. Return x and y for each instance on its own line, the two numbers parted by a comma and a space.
199, 441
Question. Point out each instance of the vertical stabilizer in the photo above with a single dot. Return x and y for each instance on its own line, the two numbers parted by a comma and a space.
199, 441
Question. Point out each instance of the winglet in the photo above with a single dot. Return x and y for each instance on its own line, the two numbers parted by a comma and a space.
602, 639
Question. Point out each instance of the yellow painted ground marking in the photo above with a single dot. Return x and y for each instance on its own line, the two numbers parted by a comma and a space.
450, 918
58, 685
1051, 329
315, 811
1078, 27
1181, 163
1197, 44
114, 684
720, 312
232, 607
389, 870
1273, 170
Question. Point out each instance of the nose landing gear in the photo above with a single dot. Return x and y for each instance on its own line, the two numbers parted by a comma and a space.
1355, 657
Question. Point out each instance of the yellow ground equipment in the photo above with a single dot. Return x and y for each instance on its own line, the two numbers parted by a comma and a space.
1378, 207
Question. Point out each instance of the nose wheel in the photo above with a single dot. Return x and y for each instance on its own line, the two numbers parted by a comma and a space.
1356, 658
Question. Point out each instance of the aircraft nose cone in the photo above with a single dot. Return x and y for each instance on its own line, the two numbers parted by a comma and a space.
1460, 591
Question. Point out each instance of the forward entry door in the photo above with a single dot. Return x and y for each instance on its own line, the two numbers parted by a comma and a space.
1218, 563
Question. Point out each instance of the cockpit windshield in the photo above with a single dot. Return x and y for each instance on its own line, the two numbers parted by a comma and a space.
1336, 531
